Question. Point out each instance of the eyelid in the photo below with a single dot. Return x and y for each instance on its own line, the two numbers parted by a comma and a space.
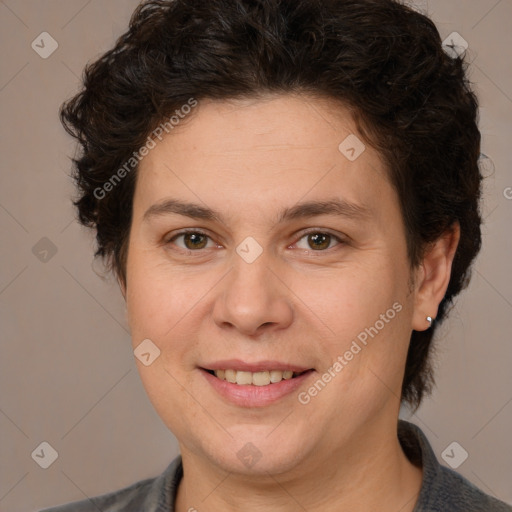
170, 238
326, 231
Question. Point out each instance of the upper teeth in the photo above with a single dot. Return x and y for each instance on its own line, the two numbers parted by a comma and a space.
256, 378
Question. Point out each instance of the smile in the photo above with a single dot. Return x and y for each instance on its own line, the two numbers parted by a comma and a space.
245, 378
260, 388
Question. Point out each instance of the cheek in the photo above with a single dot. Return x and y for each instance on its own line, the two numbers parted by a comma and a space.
159, 309
168, 306
157, 297
366, 312
351, 299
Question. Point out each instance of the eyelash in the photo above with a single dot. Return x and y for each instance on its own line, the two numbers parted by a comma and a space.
337, 238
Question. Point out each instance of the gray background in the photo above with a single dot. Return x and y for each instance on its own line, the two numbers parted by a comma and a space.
67, 372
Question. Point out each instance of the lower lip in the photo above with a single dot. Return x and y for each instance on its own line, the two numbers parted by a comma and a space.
255, 396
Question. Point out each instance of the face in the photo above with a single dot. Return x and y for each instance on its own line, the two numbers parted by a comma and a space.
261, 246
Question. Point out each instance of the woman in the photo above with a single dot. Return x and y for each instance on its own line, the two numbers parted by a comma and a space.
288, 194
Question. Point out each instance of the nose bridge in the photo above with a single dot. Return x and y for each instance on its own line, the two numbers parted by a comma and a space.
251, 280
252, 296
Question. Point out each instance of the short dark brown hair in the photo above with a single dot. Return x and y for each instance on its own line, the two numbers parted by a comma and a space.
412, 102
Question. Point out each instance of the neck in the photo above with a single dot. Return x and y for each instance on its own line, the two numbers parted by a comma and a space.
372, 473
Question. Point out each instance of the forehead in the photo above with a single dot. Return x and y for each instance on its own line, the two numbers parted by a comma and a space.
279, 122
276, 149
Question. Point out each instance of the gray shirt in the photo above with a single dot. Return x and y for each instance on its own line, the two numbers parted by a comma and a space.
442, 490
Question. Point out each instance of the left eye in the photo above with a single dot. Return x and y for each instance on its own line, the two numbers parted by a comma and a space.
318, 241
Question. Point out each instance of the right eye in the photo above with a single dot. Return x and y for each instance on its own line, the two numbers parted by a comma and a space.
191, 240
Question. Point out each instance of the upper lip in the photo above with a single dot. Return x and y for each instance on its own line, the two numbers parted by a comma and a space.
259, 366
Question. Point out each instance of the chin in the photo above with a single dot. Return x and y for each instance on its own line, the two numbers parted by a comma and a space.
257, 452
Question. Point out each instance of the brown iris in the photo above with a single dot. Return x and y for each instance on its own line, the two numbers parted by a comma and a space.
319, 240
195, 240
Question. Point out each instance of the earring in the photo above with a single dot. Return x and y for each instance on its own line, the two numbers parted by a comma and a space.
429, 320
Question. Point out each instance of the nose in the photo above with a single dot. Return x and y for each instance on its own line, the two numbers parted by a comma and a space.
253, 300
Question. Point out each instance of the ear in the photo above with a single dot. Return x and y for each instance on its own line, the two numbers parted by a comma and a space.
432, 277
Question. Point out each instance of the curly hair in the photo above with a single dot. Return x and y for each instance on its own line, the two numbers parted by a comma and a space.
412, 101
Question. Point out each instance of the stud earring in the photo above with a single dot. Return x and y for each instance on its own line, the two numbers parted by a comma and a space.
429, 320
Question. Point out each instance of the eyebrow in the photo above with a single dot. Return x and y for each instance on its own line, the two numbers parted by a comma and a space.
338, 207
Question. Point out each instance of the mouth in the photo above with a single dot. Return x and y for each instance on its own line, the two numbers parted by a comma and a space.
260, 378
257, 383
261, 387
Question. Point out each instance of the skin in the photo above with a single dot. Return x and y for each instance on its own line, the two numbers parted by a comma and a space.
248, 160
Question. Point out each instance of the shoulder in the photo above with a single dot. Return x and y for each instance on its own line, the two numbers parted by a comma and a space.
147, 495
112, 502
451, 491
442, 488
